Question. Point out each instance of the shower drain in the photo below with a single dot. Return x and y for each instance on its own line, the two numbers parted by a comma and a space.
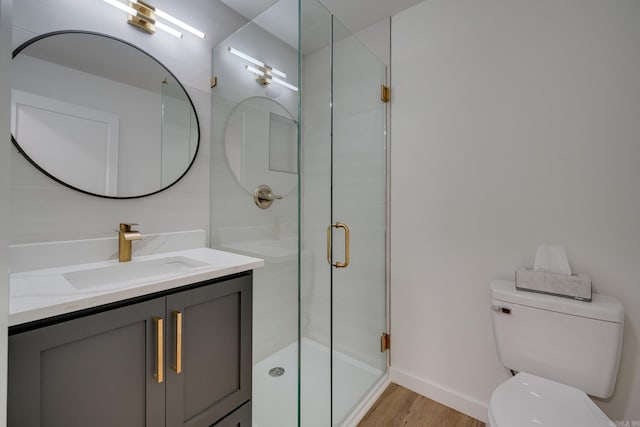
276, 372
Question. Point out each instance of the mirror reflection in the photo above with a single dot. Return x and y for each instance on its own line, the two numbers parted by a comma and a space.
100, 115
261, 145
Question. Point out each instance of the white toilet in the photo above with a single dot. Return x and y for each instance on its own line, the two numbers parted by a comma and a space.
562, 349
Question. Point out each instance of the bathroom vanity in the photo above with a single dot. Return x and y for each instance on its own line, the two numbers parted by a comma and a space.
169, 349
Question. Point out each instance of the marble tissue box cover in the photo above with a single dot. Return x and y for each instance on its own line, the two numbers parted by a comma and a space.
575, 286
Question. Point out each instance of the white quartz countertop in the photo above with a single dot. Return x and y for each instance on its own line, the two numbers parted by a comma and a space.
39, 294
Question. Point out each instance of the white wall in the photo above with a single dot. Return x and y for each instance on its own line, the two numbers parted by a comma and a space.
377, 38
5, 165
41, 209
515, 122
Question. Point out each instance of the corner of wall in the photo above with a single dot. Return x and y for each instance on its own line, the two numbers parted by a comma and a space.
454, 399
5, 60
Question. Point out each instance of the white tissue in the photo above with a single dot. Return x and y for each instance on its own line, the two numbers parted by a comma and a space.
552, 259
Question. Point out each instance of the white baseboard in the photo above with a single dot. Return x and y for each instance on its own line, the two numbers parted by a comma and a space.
451, 398
362, 409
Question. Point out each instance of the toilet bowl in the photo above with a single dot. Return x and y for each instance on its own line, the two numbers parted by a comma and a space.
527, 400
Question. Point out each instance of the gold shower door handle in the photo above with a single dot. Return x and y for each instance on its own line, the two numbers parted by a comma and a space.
159, 374
338, 264
178, 322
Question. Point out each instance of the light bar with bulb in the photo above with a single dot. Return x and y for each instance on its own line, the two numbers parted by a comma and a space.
151, 21
168, 29
256, 61
283, 83
263, 70
254, 70
245, 56
179, 23
176, 21
269, 79
123, 7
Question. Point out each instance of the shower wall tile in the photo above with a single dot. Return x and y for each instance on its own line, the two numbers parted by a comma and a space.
275, 323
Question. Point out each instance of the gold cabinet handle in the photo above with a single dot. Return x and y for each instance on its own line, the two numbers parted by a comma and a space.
338, 264
178, 322
159, 374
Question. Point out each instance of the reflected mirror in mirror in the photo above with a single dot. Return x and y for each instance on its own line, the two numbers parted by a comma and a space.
100, 115
261, 144
283, 152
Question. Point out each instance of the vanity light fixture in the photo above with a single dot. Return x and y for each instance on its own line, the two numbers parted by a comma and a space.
143, 16
264, 73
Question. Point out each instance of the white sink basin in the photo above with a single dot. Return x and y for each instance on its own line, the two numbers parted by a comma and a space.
125, 272
39, 294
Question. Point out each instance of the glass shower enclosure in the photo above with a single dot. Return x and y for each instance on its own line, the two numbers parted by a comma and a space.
297, 108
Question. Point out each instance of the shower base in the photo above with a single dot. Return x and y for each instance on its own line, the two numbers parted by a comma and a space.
275, 401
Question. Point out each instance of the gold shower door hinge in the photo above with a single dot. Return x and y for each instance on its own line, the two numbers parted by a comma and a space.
213, 82
385, 93
385, 342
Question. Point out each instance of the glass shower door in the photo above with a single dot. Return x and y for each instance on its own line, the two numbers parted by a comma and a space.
358, 233
343, 199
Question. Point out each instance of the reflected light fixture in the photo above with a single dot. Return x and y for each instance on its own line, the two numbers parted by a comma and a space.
283, 83
142, 15
254, 70
264, 73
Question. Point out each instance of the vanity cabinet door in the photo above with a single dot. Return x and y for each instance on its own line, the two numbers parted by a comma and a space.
94, 371
215, 373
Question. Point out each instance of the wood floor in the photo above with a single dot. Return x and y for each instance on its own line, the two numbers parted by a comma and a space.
399, 406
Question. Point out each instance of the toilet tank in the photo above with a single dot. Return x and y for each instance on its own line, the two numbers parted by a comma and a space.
573, 342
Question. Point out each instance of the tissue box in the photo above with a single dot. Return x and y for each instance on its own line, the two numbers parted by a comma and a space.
575, 286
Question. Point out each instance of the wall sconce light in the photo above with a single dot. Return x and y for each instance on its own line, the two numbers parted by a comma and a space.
264, 73
143, 16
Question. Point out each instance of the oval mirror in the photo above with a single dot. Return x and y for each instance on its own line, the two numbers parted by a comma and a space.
261, 144
100, 115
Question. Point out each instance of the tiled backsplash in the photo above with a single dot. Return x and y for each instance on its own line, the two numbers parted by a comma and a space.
35, 256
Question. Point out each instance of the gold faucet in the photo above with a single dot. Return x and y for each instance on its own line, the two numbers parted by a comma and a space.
126, 236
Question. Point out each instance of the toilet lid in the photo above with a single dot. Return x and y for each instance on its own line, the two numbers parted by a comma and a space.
529, 401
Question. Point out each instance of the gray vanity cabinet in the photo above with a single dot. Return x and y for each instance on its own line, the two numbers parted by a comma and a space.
102, 369
241, 417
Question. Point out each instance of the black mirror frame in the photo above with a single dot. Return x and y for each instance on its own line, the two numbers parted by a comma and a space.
37, 166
